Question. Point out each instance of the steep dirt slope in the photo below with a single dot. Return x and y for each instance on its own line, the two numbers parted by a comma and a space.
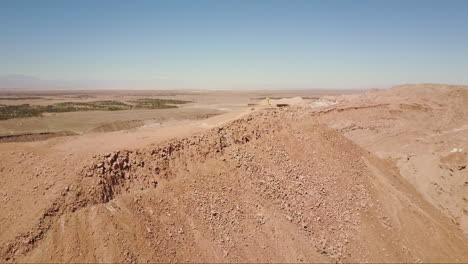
422, 128
273, 186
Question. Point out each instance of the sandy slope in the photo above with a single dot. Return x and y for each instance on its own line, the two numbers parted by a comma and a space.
418, 127
273, 185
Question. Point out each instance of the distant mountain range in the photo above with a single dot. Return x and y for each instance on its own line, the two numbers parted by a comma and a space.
21, 81
13, 81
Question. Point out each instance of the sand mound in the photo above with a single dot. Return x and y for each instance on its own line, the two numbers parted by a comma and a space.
417, 126
117, 126
34, 136
274, 186
295, 102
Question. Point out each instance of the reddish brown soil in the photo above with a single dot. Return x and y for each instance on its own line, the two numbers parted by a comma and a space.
273, 185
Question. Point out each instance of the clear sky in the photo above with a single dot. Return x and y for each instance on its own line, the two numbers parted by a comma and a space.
230, 44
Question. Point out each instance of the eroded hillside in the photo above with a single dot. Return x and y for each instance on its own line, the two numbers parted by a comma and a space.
276, 185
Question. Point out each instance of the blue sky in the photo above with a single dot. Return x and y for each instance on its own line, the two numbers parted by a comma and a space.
234, 44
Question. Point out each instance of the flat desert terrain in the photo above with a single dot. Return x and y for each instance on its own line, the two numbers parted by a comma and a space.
225, 176
197, 105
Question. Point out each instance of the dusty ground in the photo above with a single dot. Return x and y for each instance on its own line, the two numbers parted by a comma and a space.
376, 177
203, 104
423, 129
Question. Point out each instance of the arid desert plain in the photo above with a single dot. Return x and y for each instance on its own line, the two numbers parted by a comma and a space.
234, 176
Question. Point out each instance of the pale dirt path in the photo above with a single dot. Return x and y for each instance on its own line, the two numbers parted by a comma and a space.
34, 174
104, 142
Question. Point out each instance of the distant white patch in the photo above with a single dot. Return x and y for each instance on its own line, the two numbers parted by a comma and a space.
465, 127
322, 103
112, 207
456, 150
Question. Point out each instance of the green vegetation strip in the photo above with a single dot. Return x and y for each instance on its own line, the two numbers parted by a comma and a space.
20, 98
26, 110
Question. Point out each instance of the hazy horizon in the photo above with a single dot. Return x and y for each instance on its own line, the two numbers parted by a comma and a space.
232, 44
25, 82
